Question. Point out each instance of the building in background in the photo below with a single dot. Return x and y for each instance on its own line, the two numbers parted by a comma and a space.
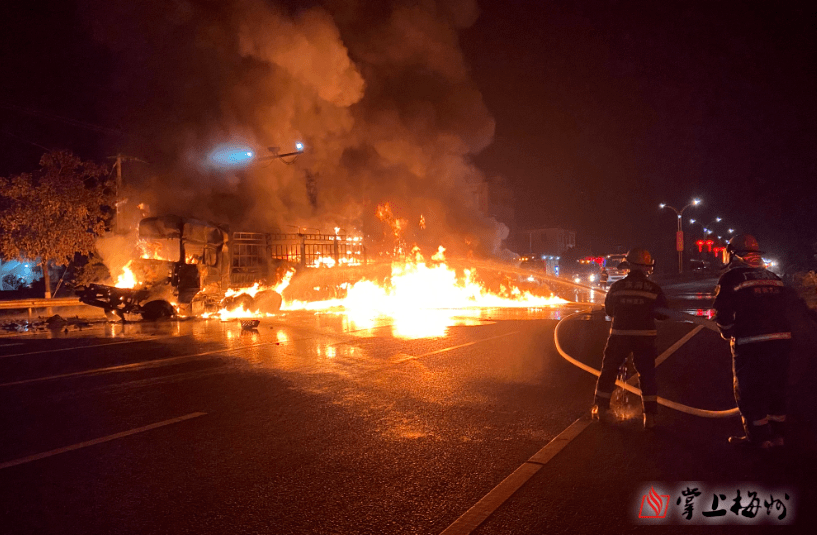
545, 246
546, 241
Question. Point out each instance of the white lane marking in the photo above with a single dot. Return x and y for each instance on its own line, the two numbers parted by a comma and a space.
630, 388
86, 347
677, 345
489, 503
142, 364
100, 440
9, 345
670, 350
412, 357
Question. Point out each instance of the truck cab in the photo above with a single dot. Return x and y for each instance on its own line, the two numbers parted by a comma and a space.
611, 263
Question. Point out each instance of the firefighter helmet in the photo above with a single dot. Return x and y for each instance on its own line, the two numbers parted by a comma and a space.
640, 257
743, 244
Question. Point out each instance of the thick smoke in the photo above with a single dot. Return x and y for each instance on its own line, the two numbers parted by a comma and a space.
378, 92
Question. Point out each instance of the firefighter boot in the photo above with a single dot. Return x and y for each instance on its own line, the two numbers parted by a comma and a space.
757, 436
602, 414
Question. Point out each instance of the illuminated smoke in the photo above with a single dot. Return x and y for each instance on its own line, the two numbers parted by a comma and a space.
378, 92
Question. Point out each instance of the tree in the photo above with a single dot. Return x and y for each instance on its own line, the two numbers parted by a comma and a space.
55, 212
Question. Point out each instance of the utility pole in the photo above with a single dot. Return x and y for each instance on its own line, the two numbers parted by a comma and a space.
119, 158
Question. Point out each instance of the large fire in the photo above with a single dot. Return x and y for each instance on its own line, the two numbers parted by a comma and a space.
421, 297
416, 285
416, 296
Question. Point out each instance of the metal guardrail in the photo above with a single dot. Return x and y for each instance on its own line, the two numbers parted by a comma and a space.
20, 304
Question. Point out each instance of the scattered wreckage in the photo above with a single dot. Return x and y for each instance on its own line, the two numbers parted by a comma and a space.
194, 268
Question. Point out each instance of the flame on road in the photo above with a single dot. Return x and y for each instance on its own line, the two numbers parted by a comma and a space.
423, 297
418, 299
418, 285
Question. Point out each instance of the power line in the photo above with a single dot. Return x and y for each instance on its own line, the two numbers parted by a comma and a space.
24, 140
59, 118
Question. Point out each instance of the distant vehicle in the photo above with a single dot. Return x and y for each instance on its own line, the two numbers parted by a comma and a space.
582, 273
700, 266
611, 263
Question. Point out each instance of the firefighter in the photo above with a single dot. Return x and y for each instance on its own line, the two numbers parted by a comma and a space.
604, 276
750, 311
631, 302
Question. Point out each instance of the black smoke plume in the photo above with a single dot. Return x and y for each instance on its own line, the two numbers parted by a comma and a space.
378, 92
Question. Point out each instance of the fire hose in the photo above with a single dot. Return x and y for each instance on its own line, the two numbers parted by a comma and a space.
674, 314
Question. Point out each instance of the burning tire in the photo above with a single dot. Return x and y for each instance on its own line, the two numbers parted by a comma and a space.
238, 301
268, 302
154, 310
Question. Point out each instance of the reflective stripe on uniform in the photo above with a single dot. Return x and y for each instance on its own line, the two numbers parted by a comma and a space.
762, 421
642, 332
764, 282
649, 398
605, 395
762, 338
637, 293
776, 417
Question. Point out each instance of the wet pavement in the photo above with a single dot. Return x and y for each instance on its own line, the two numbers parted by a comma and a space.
333, 424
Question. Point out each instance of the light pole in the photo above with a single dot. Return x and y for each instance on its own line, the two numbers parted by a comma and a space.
679, 235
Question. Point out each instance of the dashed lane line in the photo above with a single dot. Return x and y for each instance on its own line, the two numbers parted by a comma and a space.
412, 357
38, 456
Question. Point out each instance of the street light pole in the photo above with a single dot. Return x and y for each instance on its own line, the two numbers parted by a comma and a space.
679, 234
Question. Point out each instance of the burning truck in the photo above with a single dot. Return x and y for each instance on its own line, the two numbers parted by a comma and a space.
189, 267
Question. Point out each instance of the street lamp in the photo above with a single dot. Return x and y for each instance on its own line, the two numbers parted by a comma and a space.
232, 155
679, 235
708, 227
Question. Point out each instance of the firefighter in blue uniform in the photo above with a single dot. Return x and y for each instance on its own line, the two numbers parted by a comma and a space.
750, 310
631, 302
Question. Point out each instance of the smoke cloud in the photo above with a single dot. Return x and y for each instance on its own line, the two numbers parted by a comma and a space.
378, 92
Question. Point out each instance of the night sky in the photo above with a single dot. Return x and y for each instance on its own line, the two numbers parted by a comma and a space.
601, 110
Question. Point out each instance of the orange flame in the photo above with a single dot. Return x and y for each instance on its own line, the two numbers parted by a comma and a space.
416, 285
127, 279
149, 250
242, 312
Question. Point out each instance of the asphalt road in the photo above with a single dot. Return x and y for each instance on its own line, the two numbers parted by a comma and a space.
330, 424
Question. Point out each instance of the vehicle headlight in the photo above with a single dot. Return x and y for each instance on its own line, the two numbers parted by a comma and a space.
591, 278
577, 279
